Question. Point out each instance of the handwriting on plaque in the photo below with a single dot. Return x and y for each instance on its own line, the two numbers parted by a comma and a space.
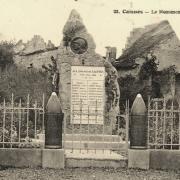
87, 94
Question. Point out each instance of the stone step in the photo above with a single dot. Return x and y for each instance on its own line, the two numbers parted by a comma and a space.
120, 146
100, 163
106, 158
92, 137
92, 142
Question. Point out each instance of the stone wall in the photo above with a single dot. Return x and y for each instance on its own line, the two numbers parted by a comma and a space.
37, 59
36, 52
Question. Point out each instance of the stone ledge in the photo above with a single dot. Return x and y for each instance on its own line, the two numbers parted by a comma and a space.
165, 159
16, 157
46, 158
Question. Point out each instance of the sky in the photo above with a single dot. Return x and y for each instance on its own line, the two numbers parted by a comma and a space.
22, 19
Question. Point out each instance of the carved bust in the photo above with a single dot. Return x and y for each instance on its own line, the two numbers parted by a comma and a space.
79, 45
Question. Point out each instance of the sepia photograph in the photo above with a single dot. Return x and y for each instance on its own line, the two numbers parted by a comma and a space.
89, 90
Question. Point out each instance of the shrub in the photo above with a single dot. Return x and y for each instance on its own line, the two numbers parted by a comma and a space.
22, 82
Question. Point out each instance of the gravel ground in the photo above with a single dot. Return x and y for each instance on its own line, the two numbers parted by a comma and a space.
86, 174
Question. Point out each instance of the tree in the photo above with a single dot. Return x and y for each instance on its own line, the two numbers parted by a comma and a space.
149, 67
128, 88
6, 54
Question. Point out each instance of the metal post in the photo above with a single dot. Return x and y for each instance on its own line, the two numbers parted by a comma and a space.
111, 124
35, 120
164, 121
118, 127
27, 122
127, 124
88, 131
19, 138
64, 132
148, 118
73, 128
103, 135
156, 128
4, 119
172, 119
80, 124
43, 106
179, 123
12, 117
95, 123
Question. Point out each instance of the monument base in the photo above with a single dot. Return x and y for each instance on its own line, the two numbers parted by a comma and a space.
53, 158
138, 158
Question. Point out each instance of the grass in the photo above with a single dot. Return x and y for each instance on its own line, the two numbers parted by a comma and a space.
87, 174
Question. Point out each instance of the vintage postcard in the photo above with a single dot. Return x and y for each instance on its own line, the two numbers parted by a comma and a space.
89, 89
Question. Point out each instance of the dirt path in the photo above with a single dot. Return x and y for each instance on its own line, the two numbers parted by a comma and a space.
87, 174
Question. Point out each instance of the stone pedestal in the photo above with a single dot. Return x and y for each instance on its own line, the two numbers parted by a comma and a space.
53, 158
138, 158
